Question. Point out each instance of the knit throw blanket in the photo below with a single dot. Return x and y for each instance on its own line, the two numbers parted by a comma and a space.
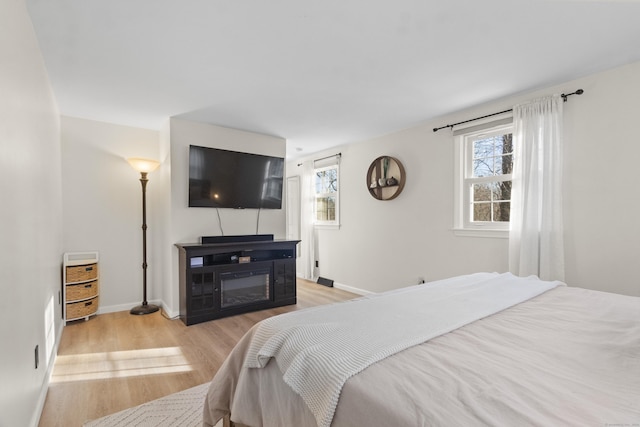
320, 348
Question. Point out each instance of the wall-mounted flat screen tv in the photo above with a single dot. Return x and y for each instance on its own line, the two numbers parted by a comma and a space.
231, 179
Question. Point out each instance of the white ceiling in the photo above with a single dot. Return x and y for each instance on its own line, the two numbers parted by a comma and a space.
318, 73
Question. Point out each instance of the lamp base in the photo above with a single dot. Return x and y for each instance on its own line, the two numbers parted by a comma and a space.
144, 309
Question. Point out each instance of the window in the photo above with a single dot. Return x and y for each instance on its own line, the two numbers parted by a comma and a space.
483, 187
326, 203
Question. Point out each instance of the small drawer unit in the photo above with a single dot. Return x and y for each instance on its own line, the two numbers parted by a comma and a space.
80, 285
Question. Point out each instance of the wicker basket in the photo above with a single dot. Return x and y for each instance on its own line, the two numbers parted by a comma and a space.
82, 291
81, 273
82, 309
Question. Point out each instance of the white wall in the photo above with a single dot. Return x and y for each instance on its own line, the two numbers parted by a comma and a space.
162, 269
30, 220
187, 225
383, 245
602, 202
102, 198
102, 202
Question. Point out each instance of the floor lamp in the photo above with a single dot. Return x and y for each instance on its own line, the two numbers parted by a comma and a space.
144, 166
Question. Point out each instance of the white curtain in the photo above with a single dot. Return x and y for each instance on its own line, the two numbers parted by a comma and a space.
536, 244
307, 230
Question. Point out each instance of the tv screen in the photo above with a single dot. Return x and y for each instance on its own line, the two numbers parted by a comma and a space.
230, 179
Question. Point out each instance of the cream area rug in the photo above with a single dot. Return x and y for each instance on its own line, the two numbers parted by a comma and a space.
182, 409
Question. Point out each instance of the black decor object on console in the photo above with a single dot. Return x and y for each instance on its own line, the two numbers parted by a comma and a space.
231, 179
237, 239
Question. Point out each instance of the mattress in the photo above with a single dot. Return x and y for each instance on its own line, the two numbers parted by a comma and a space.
568, 356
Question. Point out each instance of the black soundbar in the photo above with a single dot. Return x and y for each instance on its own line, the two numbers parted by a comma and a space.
237, 239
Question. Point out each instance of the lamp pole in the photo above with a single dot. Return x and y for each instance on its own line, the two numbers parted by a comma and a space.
144, 168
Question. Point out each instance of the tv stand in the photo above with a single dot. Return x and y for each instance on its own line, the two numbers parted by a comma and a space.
224, 279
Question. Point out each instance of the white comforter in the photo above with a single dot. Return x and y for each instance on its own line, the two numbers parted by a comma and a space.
318, 350
567, 357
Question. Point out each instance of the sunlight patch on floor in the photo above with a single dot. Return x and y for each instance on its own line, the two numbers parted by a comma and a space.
119, 364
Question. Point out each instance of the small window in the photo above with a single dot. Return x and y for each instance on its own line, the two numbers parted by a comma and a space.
489, 180
326, 203
483, 189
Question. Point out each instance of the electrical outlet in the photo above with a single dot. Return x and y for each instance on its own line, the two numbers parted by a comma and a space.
37, 356
420, 281
316, 263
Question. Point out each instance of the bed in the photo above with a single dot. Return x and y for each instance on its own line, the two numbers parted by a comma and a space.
482, 349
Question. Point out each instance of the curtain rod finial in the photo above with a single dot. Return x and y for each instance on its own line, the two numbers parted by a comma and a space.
564, 96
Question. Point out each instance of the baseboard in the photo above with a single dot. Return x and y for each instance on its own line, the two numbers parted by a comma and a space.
42, 398
171, 314
351, 289
126, 307
342, 286
115, 308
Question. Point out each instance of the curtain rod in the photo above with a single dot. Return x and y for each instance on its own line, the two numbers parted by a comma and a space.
328, 157
563, 96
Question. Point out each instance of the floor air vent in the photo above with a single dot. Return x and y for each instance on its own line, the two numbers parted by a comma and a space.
325, 282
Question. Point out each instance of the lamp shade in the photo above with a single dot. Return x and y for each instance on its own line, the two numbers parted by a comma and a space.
143, 165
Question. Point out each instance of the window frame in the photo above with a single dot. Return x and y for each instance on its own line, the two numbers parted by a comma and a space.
336, 222
463, 187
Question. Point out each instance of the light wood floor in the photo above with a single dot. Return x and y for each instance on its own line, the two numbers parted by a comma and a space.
115, 361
